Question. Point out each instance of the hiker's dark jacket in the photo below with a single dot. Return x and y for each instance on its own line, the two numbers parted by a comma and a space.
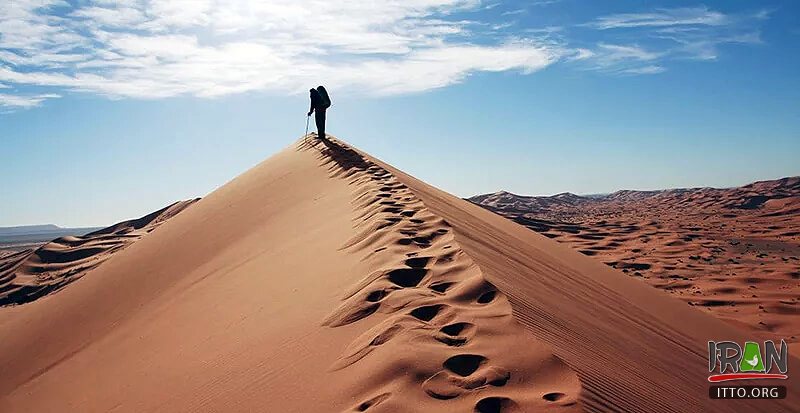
316, 101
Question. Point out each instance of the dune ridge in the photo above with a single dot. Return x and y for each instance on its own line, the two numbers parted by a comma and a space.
469, 354
34, 273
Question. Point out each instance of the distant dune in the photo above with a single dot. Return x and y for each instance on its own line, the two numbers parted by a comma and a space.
323, 280
29, 229
33, 273
734, 252
27, 236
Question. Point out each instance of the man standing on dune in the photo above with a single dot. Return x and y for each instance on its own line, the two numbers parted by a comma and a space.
320, 102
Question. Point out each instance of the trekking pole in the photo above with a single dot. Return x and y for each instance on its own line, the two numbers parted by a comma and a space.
305, 137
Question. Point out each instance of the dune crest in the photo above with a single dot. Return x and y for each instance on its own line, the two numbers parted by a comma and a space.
444, 328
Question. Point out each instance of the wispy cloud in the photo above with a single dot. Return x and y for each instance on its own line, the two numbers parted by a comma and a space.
24, 102
514, 12
643, 70
704, 45
681, 33
162, 48
620, 59
529, 4
661, 18
543, 2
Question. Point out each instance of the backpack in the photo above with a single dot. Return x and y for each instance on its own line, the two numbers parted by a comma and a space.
326, 100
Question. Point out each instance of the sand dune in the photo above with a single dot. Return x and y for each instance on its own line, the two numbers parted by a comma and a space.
733, 252
441, 322
324, 280
34, 273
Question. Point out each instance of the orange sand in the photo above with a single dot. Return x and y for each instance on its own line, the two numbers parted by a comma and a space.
33, 273
323, 280
733, 252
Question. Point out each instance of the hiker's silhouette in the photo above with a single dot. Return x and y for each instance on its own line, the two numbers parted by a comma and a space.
320, 102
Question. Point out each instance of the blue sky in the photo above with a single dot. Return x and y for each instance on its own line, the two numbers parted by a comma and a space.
112, 109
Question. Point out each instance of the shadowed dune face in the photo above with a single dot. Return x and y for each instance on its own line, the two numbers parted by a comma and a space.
734, 253
323, 280
31, 274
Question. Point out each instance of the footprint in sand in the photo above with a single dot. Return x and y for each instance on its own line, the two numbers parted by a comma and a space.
435, 304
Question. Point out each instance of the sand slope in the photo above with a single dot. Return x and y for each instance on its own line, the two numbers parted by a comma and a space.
733, 252
325, 281
34, 273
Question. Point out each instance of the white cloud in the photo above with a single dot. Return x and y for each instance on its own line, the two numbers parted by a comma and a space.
620, 59
644, 70
543, 2
119, 16
615, 52
701, 45
582, 54
682, 33
662, 18
163, 48
24, 102
438, 67
27, 58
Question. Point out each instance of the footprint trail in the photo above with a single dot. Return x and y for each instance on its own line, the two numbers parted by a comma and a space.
438, 336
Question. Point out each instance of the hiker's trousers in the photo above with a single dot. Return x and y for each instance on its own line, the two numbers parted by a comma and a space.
319, 118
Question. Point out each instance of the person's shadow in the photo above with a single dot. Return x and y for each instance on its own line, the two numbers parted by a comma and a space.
343, 156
